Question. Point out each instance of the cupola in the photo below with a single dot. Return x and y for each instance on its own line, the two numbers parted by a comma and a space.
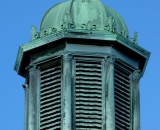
82, 70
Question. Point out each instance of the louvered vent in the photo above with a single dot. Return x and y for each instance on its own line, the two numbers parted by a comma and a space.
122, 96
50, 97
88, 94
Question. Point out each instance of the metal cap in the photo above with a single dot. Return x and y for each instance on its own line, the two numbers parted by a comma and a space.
82, 15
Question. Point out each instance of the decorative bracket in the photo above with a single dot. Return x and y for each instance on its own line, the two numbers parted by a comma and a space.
67, 56
110, 59
137, 75
31, 67
25, 86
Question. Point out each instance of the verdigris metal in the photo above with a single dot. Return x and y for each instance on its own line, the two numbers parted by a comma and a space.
118, 40
136, 100
32, 109
25, 86
89, 33
82, 15
110, 106
67, 108
34, 33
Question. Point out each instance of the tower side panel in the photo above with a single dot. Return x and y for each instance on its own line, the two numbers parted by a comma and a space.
50, 96
123, 96
88, 93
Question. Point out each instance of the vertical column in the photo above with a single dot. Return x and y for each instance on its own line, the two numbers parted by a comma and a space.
66, 93
131, 100
110, 107
32, 98
73, 94
25, 86
136, 100
104, 74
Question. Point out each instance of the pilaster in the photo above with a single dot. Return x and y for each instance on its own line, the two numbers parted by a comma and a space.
110, 111
32, 110
104, 84
67, 93
136, 100
25, 86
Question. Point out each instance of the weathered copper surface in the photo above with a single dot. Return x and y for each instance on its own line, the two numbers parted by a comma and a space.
82, 71
82, 15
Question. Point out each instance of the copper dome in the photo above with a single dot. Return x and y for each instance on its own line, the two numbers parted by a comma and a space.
82, 15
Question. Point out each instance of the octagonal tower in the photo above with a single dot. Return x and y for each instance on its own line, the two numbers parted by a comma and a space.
82, 70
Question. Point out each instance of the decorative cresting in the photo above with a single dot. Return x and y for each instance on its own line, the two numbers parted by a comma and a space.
82, 15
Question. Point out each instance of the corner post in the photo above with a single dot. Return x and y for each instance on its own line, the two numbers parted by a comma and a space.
104, 84
32, 98
25, 86
136, 100
67, 92
110, 111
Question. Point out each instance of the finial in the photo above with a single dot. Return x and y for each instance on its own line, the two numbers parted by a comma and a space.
34, 33
135, 38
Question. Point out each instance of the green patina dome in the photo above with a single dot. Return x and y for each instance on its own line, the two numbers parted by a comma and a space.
82, 15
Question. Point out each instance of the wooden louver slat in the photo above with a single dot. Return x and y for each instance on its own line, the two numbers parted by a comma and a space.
88, 94
122, 96
50, 97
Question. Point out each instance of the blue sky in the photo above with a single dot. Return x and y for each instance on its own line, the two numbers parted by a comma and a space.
16, 19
